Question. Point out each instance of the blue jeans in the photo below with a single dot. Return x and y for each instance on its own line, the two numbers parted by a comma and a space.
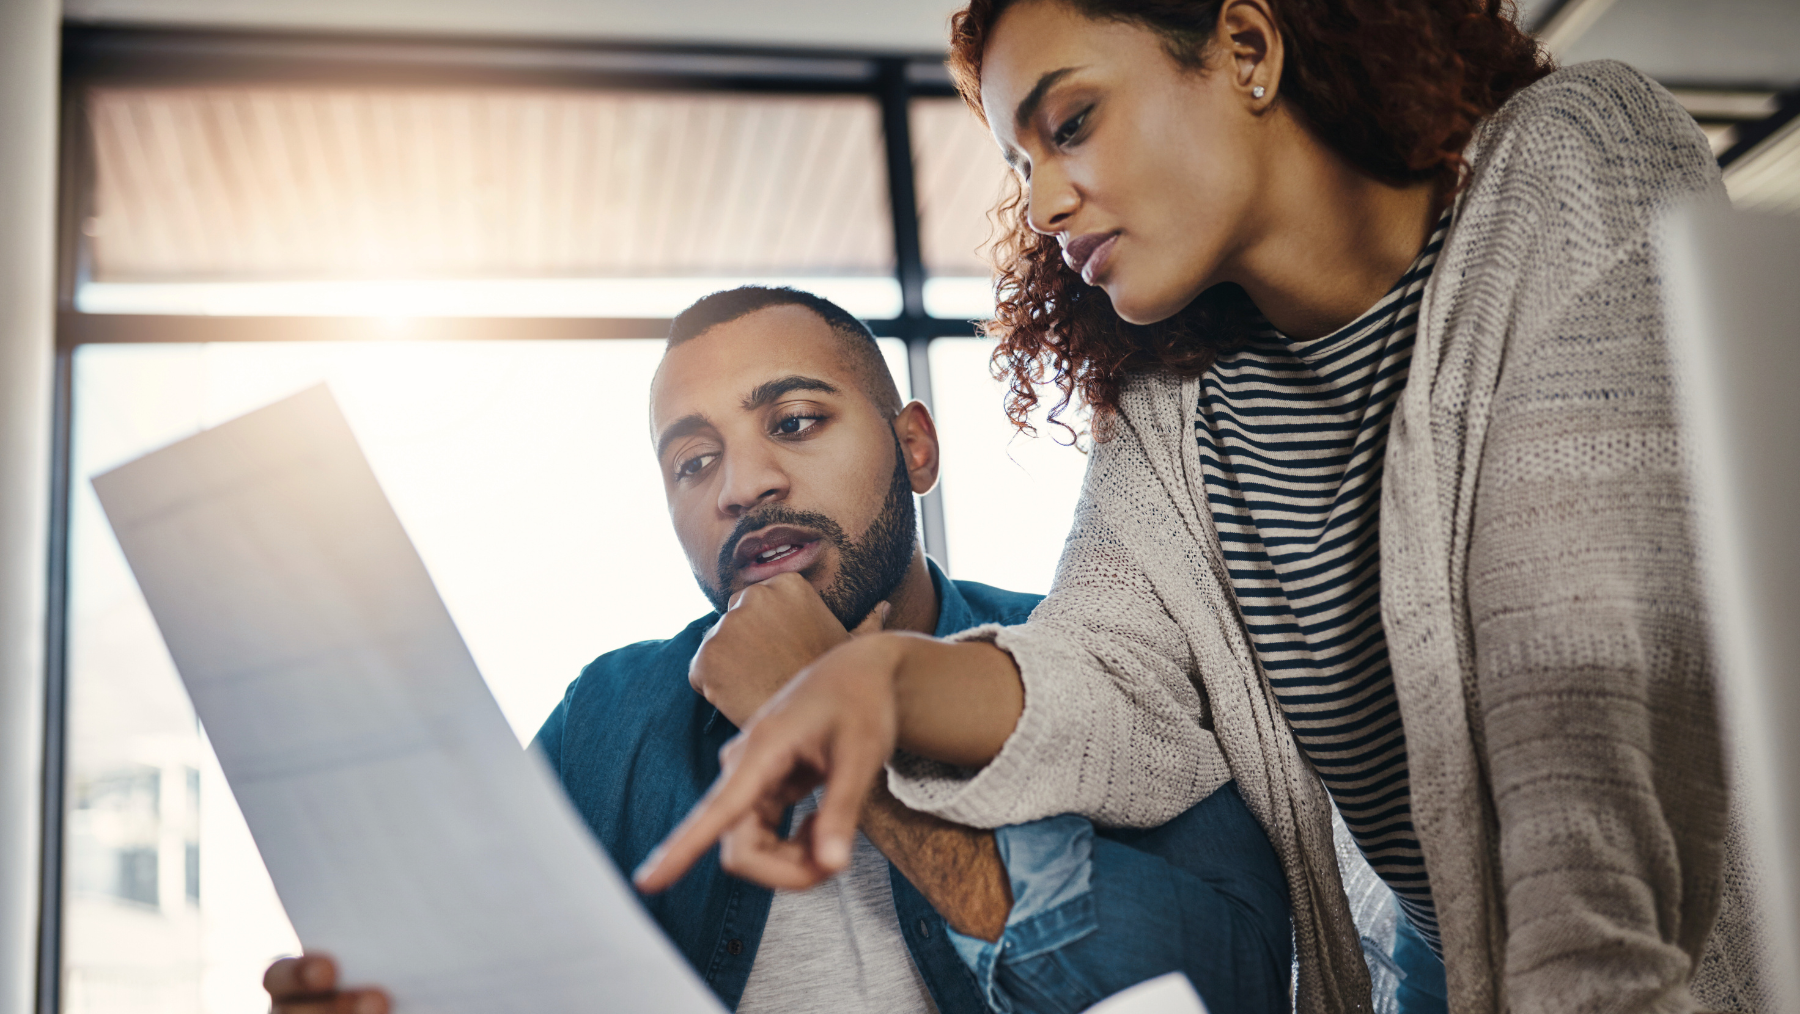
1422, 991
1098, 910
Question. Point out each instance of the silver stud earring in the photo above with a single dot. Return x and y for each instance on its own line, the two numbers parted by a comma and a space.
1257, 92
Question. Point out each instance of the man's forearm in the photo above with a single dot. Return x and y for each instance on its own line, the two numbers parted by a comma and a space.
956, 868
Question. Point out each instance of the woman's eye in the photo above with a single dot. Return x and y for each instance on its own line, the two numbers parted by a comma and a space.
693, 466
796, 424
1070, 127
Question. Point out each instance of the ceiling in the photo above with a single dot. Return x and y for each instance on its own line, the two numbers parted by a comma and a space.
1696, 42
1709, 43
252, 182
883, 25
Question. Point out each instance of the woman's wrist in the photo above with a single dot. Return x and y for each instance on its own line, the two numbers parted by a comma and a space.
955, 702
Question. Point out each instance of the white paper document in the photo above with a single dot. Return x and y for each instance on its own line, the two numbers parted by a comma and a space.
404, 829
1165, 994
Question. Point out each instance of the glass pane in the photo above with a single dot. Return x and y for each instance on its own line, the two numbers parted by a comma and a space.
242, 185
1008, 497
960, 179
523, 474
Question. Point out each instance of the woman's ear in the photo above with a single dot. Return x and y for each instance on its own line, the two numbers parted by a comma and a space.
1251, 40
917, 433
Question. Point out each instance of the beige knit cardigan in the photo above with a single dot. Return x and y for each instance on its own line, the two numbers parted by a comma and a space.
1539, 590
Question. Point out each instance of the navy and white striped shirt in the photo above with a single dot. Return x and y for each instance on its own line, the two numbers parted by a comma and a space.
1292, 435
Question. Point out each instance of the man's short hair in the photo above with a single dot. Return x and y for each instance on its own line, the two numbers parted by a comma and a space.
857, 341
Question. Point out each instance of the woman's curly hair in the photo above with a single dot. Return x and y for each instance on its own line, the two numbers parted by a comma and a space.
1394, 86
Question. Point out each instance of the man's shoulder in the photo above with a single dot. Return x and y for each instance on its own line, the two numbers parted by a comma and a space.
646, 668
996, 605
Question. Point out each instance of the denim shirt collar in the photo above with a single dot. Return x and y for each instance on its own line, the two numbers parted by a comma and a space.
954, 614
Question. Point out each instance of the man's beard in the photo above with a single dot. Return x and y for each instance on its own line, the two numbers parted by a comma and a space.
869, 569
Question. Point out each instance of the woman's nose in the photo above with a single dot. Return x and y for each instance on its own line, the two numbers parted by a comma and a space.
1050, 202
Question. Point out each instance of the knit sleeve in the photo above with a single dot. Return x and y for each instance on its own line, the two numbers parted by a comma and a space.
1114, 727
1597, 718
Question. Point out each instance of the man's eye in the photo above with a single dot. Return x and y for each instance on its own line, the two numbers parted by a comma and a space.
693, 466
1070, 127
796, 424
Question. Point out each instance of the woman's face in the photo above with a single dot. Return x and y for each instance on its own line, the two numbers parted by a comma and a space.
1146, 171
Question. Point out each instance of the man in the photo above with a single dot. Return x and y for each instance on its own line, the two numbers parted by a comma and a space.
790, 463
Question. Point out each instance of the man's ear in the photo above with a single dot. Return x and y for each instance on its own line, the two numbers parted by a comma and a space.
917, 433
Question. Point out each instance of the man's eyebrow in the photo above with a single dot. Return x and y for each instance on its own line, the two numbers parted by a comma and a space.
767, 392
680, 428
1028, 105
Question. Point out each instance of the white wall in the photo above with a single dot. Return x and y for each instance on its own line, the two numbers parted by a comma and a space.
28, 55
905, 25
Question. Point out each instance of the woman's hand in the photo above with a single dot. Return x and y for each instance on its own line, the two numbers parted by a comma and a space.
836, 724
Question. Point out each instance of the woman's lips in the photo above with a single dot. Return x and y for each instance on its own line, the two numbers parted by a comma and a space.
1086, 254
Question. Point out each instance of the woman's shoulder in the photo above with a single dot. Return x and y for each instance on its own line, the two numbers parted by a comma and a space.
1602, 95
1597, 116
1154, 406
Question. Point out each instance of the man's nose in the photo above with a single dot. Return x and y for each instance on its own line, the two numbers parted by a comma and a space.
750, 480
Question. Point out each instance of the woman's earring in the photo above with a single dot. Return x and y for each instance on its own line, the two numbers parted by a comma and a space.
1257, 92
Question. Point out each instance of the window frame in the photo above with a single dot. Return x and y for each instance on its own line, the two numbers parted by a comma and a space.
100, 56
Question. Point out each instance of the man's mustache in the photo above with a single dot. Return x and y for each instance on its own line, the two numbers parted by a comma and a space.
774, 514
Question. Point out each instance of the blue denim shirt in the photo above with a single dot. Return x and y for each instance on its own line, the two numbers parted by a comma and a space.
636, 748
1094, 910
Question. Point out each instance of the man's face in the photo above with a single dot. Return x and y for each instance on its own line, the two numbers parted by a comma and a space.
774, 459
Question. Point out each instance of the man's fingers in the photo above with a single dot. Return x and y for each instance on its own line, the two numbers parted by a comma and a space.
734, 795
309, 974
875, 622
351, 1001
363, 1001
308, 985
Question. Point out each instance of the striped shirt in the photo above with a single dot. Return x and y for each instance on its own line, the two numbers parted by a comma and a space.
1292, 435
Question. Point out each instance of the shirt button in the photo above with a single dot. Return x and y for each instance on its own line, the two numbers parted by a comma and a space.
734, 947
924, 928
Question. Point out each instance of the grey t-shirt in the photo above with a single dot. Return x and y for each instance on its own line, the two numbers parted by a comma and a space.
836, 949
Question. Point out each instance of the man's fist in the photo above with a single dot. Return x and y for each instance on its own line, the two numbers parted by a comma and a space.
309, 985
772, 631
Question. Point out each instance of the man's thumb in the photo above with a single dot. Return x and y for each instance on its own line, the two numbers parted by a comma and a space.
874, 622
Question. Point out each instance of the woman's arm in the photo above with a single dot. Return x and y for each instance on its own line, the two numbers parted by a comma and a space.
1090, 707
956, 701
1597, 720
837, 723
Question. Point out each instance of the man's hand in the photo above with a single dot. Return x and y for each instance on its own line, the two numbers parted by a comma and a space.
309, 985
771, 631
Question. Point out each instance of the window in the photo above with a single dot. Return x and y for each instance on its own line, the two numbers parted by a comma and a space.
961, 177
1008, 497
307, 200
480, 262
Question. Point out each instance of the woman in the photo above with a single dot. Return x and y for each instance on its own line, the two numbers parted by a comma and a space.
1385, 513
